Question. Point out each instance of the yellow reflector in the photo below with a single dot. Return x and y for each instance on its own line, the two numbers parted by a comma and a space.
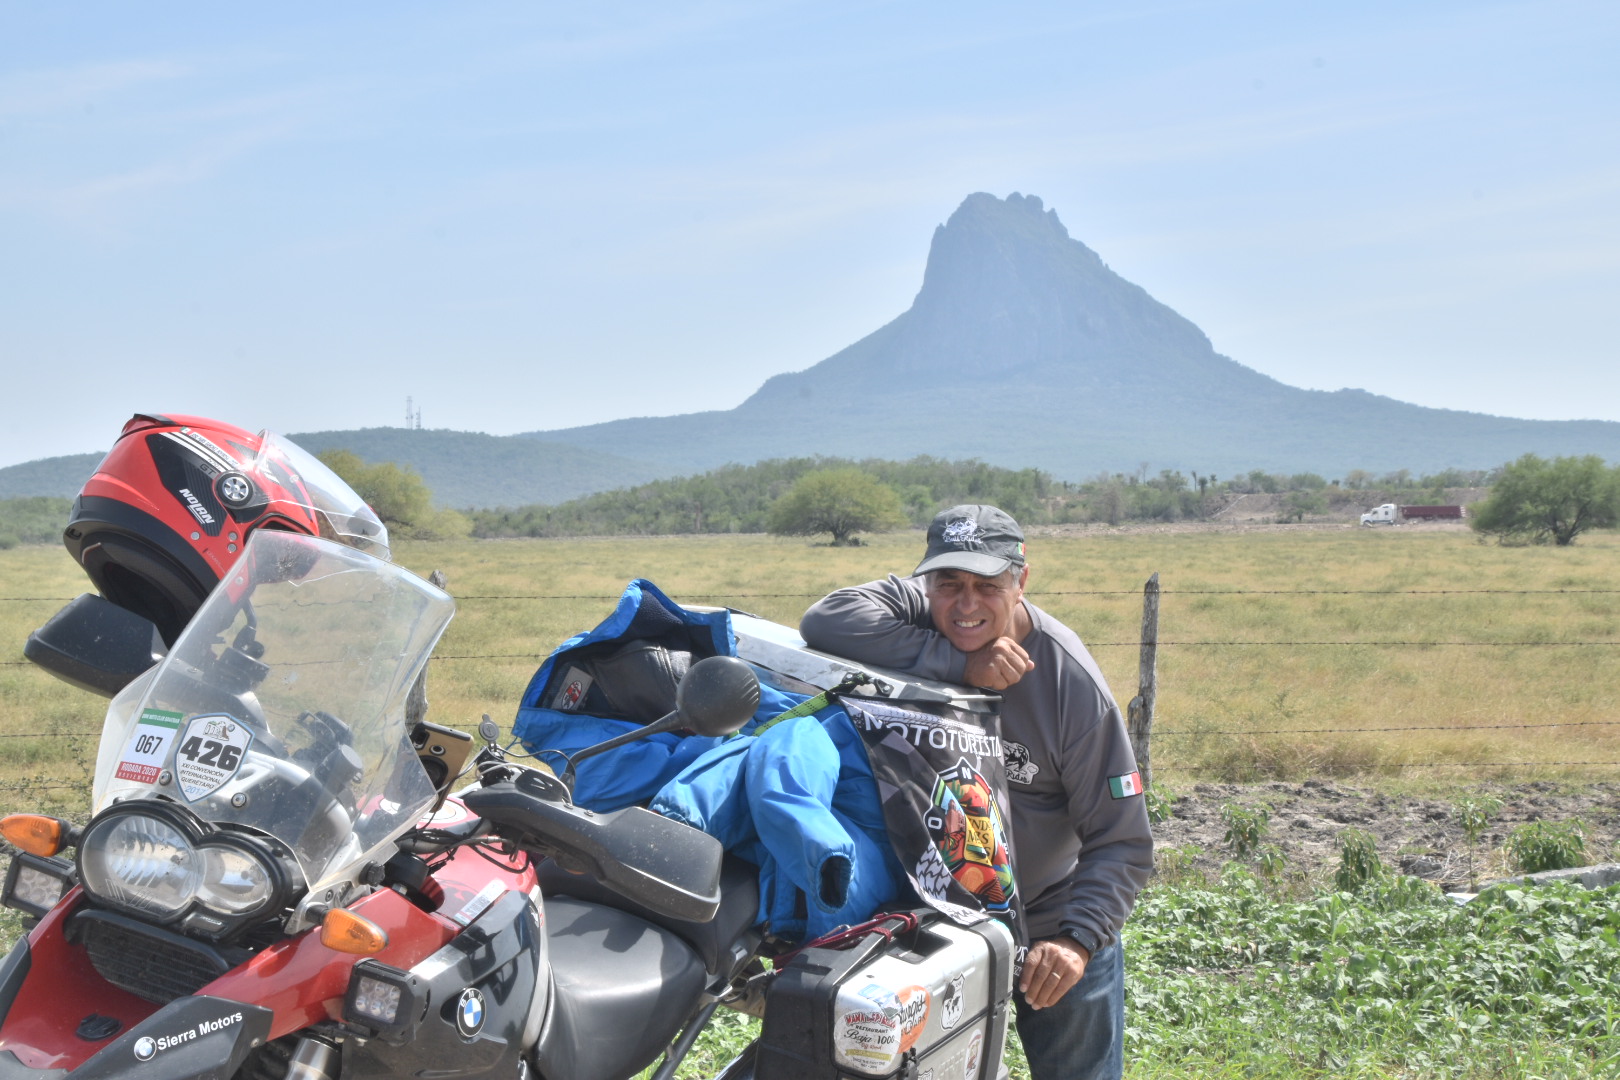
350, 933
33, 833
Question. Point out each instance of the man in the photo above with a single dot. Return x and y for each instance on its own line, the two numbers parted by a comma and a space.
1081, 843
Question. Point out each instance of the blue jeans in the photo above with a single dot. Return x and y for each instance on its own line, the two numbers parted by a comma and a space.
1082, 1037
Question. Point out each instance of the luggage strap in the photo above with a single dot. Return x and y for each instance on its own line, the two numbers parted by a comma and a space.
814, 705
845, 937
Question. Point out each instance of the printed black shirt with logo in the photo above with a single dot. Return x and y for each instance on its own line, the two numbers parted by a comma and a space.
1081, 841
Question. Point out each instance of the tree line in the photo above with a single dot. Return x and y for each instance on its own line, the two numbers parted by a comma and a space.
1531, 501
740, 498
777, 495
33, 519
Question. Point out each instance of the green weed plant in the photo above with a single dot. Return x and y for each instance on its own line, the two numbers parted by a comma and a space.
1359, 864
1547, 845
1473, 815
1160, 804
1271, 862
1393, 980
1246, 827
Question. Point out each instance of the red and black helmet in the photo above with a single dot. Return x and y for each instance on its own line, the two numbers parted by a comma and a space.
171, 505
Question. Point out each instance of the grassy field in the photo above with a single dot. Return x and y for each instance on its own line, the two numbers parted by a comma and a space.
1312, 635
1278, 647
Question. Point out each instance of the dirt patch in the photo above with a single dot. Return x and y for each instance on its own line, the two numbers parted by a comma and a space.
1415, 835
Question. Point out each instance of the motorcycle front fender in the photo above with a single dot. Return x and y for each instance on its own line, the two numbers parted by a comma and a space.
192, 1038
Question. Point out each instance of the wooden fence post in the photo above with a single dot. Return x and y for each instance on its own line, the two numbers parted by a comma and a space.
416, 703
1139, 715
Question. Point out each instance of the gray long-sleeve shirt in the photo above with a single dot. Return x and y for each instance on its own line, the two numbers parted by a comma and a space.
1082, 850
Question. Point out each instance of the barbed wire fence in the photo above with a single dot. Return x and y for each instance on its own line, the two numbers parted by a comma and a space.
1140, 711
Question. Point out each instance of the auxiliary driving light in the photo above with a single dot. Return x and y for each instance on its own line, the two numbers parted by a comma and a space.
35, 884
383, 999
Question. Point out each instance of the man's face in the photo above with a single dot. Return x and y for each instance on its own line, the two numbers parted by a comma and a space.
972, 610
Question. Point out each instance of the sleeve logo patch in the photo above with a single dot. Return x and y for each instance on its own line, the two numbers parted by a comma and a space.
1123, 787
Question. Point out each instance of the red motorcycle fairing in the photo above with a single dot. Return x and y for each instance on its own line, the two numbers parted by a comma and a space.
304, 982
194, 1038
57, 989
297, 982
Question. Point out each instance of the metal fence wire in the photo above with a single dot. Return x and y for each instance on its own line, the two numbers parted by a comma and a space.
737, 599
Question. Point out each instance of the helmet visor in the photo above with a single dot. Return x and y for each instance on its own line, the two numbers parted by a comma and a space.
342, 513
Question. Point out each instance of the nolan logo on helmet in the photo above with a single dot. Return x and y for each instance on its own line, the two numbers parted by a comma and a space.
198, 510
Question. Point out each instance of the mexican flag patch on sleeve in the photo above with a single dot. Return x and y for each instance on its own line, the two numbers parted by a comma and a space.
1123, 787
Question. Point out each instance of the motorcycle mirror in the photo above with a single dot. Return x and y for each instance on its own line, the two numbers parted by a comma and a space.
95, 645
717, 696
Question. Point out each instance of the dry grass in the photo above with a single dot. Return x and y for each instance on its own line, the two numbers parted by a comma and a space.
1219, 588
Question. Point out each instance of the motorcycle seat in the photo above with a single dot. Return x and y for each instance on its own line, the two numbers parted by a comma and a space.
620, 990
724, 943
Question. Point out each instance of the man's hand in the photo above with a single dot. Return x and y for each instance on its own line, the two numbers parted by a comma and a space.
997, 665
1051, 968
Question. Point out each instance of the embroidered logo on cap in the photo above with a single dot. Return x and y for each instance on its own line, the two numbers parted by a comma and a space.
963, 531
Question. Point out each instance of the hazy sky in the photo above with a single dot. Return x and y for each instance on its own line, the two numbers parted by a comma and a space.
531, 216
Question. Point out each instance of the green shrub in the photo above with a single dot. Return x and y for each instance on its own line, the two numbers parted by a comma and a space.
1160, 805
1272, 862
1358, 861
1392, 981
1245, 827
1474, 814
1547, 845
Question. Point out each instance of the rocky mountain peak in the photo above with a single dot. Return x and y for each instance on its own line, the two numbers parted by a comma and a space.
1008, 294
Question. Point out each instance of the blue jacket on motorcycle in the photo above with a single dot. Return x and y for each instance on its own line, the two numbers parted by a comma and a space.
796, 798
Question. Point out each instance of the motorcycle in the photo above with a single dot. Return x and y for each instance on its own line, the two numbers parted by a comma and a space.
279, 881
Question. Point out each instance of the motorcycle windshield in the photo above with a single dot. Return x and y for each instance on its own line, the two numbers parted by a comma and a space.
281, 708
342, 514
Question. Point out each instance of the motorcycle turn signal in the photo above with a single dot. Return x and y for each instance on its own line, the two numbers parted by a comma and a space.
36, 833
346, 932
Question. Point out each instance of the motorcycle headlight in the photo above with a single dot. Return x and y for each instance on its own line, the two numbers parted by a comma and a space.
141, 863
156, 860
234, 882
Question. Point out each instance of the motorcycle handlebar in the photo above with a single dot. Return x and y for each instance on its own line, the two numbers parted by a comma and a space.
657, 862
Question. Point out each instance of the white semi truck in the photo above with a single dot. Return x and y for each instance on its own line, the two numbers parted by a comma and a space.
1391, 514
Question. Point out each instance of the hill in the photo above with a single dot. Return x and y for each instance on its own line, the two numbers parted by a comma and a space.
462, 468
465, 468
1024, 349
54, 476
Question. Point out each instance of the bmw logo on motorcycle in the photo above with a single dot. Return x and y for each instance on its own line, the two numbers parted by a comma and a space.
470, 1012
145, 1048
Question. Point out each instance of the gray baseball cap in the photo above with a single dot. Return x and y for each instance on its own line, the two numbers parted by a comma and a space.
978, 539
